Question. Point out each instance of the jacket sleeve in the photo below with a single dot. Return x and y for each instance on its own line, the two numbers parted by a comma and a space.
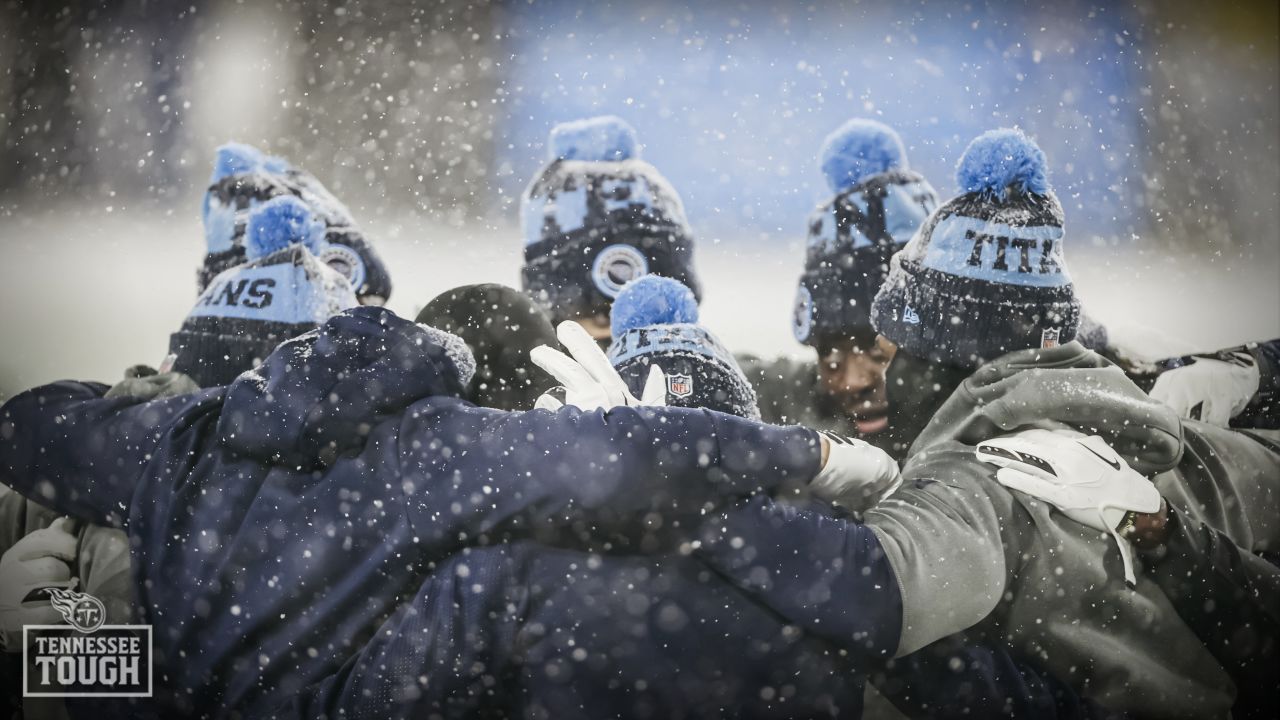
1230, 599
827, 575
65, 446
468, 469
953, 679
945, 541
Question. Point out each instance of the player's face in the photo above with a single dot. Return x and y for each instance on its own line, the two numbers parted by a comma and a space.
851, 371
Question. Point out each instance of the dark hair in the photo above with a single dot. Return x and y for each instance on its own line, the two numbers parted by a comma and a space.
500, 325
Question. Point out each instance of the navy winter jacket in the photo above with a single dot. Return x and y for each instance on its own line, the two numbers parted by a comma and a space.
526, 630
277, 522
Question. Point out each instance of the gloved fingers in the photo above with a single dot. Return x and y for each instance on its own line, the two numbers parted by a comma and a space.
64, 523
856, 475
1216, 411
1017, 452
546, 401
584, 349
46, 569
1033, 485
1133, 493
564, 369
655, 388
52, 541
1172, 390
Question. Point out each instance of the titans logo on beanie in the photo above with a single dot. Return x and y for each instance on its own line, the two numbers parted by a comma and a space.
655, 321
598, 217
986, 275
282, 291
879, 204
244, 177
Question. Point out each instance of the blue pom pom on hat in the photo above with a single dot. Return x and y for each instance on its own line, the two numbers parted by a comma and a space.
1001, 160
606, 138
280, 222
652, 300
235, 158
859, 149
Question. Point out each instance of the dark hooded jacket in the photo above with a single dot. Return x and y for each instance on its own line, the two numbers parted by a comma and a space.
277, 522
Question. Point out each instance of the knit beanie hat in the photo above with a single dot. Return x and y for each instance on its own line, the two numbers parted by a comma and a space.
244, 177
283, 290
655, 322
240, 181
986, 274
597, 217
879, 204
500, 325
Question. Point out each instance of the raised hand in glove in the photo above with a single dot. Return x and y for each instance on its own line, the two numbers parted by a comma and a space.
1078, 474
37, 561
1212, 389
854, 475
589, 380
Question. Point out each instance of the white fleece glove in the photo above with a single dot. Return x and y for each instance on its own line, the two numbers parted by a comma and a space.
589, 380
37, 561
1076, 473
857, 475
1209, 389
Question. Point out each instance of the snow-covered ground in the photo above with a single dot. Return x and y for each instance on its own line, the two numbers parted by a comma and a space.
85, 294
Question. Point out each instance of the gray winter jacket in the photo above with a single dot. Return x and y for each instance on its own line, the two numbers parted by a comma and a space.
969, 551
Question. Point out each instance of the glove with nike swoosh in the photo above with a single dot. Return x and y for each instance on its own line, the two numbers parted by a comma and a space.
1076, 473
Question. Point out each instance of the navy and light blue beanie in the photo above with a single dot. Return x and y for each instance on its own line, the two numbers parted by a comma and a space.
597, 217
655, 321
281, 291
244, 177
240, 180
879, 204
986, 274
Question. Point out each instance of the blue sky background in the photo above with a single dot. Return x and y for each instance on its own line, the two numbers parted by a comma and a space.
731, 102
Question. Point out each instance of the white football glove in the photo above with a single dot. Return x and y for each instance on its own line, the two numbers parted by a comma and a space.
589, 380
1076, 473
857, 475
1209, 389
37, 561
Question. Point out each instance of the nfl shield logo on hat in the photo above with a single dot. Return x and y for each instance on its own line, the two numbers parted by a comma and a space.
680, 386
1049, 338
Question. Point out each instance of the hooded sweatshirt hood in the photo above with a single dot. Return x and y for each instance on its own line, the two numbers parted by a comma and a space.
318, 396
1049, 387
